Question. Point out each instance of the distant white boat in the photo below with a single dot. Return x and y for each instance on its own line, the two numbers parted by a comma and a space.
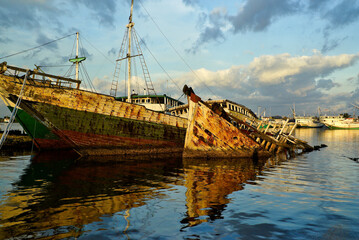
331, 119
339, 122
308, 122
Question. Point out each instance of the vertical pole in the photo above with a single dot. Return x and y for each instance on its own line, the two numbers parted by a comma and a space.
77, 55
281, 131
291, 131
129, 25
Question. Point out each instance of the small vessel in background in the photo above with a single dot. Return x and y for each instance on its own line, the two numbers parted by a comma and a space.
308, 122
339, 122
331, 119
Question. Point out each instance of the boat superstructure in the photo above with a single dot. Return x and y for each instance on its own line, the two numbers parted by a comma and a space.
308, 122
159, 103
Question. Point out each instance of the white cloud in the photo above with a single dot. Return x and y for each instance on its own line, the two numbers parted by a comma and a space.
281, 79
282, 68
102, 85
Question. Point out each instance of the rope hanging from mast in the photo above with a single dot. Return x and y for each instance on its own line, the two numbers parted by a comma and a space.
14, 54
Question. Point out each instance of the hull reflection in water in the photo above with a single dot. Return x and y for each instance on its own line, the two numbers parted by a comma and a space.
209, 182
59, 198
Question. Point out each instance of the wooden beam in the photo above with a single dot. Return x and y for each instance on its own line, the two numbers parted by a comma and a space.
43, 74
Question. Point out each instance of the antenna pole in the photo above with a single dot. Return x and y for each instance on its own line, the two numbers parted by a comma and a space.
129, 26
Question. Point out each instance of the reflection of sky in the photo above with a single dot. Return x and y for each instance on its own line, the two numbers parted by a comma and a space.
300, 52
310, 190
311, 196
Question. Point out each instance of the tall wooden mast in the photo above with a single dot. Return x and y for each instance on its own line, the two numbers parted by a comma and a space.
129, 26
77, 55
77, 59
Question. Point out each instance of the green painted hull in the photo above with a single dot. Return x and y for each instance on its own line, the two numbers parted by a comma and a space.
33, 127
344, 128
92, 133
42, 136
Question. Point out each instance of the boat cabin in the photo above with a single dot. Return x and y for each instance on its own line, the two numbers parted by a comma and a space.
159, 103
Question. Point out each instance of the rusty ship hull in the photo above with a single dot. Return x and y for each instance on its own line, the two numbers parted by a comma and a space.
210, 135
96, 124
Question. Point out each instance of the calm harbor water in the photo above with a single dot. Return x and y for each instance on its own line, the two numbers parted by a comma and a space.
310, 196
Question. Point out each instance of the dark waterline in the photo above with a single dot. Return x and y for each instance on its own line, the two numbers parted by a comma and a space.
311, 196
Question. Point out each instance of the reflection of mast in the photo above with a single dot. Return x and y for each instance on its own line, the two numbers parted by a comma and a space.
128, 221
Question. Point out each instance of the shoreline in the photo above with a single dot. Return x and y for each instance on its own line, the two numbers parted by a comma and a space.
17, 143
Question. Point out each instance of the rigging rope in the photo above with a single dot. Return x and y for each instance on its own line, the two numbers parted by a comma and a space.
14, 111
194, 73
111, 61
144, 44
11, 55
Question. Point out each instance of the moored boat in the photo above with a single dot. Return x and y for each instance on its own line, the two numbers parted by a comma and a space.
345, 124
339, 122
90, 123
93, 123
308, 122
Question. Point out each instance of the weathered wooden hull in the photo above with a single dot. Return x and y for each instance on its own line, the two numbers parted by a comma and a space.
43, 138
97, 124
211, 136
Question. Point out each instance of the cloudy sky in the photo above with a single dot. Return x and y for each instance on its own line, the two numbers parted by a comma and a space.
260, 53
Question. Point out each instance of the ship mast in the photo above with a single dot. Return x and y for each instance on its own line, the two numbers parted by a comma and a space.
77, 55
129, 26
130, 48
77, 59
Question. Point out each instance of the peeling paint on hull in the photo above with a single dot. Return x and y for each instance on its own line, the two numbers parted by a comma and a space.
44, 139
97, 124
211, 136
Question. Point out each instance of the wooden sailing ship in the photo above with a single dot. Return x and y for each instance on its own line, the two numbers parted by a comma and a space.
93, 123
88, 122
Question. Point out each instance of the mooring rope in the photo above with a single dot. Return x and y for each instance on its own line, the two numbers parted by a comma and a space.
14, 112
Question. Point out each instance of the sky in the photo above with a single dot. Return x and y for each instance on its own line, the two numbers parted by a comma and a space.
268, 55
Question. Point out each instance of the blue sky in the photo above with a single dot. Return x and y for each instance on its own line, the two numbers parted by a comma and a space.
267, 53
